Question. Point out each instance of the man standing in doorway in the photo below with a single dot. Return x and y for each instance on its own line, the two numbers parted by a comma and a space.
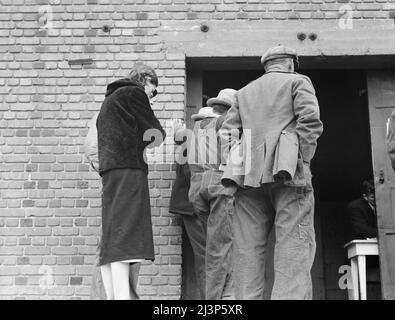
280, 113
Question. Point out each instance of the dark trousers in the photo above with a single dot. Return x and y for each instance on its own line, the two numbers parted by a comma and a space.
195, 232
291, 211
214, 204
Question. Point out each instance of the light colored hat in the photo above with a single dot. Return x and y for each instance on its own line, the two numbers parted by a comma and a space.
225, 97
278, 52
206, 112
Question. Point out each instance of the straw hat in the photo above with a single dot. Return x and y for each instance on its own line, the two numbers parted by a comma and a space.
206, 112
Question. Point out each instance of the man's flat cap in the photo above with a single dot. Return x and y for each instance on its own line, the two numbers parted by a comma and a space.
278, 52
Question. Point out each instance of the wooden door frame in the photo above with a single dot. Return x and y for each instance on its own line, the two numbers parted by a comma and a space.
379, 88
194, 94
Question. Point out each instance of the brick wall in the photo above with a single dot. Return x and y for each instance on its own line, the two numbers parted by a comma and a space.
49, 196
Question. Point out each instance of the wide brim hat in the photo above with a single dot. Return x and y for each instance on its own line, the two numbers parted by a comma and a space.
226, 97
204, 113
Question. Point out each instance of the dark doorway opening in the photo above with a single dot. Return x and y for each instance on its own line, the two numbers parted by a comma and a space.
342, 161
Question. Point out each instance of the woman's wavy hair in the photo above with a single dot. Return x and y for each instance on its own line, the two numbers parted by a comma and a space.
140, 72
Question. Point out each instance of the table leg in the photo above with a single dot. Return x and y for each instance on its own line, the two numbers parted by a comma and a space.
362, 275
353, 292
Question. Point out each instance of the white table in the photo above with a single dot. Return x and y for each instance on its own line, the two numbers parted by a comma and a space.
357, 250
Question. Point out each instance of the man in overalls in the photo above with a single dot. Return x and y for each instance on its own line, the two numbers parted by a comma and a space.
210, 199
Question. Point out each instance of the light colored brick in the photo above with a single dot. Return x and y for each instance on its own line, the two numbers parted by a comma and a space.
5, 281
36, 260
169, 290
64, 231
90, 231
61, 280
159, 281
38, 231
43, 159
37, 251
83, 290
39, 212
9, 271
176, 250
49, 261
64, 270
149, 270
8, 291
64, 250
61, 291
12, 231
9, 261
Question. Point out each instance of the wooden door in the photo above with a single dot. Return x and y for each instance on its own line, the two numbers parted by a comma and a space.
194, 92
194, 95
381, 92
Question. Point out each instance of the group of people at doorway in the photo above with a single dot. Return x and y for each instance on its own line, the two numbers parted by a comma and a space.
232, 206
278, 119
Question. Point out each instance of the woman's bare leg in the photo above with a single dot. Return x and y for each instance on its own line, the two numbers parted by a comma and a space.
107, 281
120, 280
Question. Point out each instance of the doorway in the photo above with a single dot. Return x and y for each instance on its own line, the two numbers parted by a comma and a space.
343, 160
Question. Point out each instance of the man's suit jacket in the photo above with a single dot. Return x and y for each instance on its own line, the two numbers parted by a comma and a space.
279, 116
362, 219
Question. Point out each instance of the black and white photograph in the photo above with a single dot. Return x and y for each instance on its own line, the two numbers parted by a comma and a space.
197, 153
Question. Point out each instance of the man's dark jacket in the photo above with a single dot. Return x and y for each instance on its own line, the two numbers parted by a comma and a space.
179, 201
124, 117
362, 219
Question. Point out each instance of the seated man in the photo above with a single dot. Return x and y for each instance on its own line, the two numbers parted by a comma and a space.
362, 214
363, 224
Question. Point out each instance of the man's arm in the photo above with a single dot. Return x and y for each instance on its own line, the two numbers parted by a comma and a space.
230, 130
309, 126
359, 224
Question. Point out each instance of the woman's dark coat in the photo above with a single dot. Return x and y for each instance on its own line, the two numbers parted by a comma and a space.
124, 117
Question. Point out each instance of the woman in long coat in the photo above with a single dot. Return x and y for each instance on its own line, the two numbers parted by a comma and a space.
124, 117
